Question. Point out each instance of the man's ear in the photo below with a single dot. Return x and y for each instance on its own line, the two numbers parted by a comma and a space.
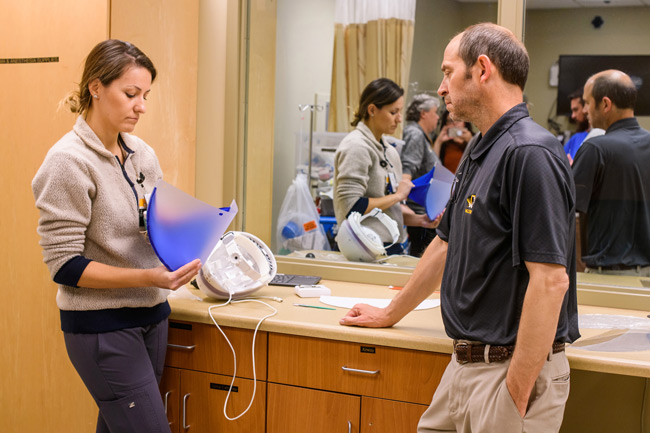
484, 65
607, 104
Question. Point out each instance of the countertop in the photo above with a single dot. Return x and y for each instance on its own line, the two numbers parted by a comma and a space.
419, 330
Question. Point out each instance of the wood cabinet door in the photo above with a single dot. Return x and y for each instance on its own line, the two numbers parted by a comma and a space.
170, 390
202, 399
293, 409
387, 416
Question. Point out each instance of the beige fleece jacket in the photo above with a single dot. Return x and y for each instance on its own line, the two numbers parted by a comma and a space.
358, 173
87, 207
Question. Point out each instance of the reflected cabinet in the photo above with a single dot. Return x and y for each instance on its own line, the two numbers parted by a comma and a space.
302, 384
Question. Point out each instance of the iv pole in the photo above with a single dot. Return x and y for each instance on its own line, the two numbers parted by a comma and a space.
311, 108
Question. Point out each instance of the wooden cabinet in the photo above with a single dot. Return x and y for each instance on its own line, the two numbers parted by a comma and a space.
295, 409
198, 374
387, 416
362, 369
202, 404
307, 384
170, 388
392, 386
195, 346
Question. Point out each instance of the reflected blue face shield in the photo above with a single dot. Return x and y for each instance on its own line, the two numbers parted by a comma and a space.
432, 190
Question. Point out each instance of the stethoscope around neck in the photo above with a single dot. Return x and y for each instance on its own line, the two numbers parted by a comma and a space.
385, 162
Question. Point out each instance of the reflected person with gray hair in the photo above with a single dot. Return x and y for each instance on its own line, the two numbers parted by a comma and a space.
419, 156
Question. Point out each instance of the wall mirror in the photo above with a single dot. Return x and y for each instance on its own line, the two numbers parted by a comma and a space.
572, 27
304, 56
305, 32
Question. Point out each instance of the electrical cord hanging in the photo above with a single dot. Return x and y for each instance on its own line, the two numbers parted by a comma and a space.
234, 356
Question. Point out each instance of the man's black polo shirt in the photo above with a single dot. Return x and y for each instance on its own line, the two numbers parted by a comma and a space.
514, 201
612, 176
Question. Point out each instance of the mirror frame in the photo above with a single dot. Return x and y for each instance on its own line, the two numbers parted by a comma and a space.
258, 74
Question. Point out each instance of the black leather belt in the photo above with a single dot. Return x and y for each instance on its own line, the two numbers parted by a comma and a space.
475, 352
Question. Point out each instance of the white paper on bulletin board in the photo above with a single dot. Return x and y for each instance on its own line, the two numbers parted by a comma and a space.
348, 302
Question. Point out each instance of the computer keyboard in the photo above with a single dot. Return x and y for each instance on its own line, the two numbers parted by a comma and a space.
293, 280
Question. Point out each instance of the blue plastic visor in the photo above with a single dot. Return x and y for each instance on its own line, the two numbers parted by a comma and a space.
182, 228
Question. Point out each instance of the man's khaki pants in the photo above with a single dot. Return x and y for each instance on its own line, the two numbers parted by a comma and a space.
474, 398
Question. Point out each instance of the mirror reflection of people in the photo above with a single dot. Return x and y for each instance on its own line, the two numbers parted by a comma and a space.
111, 286
612, 176
418, 158
452, 140
367, 170
584, 130
504, 257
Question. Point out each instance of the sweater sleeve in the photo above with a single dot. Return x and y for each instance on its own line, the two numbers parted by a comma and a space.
63, 191
352, 166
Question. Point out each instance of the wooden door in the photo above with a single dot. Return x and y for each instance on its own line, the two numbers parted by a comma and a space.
387, 416
39, 388
292, 409
170, 390
202, 400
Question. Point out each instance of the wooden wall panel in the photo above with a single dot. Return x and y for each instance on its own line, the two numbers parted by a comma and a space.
167, 31
39, 389
259, 125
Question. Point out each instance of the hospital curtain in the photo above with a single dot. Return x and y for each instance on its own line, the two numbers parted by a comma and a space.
372, 39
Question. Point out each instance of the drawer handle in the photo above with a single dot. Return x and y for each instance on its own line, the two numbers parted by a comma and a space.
185, 426
178, 346
354, 370
349, 427
166, 401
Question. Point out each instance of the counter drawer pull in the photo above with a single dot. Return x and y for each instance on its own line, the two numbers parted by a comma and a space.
354, 370
349, 427
185, 426
166, 400
178, 346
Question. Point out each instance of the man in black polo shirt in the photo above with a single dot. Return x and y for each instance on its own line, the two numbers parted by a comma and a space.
506, 244
612, 176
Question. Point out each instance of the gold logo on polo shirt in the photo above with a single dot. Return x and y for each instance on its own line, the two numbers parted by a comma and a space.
470, 203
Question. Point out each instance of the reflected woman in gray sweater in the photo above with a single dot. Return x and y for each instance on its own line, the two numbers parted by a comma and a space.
367, 170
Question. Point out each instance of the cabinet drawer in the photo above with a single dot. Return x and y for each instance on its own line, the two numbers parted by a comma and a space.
201, 347
362, 369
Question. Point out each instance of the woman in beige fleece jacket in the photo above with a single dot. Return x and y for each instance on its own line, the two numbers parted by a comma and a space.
112, 291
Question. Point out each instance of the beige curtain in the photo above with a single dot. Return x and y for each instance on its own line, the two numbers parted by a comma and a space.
364, 51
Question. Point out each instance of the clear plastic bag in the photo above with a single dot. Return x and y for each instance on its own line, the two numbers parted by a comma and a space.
298, 222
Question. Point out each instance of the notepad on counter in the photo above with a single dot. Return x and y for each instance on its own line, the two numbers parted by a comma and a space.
349, 302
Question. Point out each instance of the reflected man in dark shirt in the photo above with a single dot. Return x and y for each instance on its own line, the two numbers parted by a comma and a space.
612, 177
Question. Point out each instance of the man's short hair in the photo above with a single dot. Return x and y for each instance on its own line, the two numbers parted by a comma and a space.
502, 47
577, 94
621, 92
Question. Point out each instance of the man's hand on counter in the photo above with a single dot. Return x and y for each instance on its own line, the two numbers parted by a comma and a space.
367, 316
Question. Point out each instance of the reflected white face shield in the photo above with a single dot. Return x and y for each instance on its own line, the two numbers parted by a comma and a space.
239, 264
362, 244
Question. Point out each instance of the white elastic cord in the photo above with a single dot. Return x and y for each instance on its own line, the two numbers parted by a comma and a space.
234, 356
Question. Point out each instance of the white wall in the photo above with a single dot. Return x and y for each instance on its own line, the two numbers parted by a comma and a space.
552, 32
305, 44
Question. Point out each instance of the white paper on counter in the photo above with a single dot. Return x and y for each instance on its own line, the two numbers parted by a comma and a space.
183, 293
347, 302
